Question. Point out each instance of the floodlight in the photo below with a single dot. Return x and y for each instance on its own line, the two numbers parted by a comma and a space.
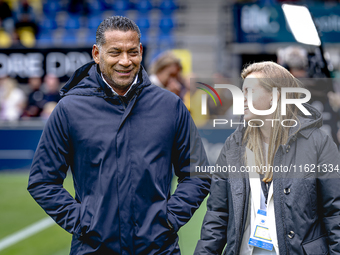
301, 23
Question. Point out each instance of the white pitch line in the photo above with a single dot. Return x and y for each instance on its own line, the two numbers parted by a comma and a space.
26, 232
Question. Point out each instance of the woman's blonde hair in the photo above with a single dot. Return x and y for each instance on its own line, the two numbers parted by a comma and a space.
271, 75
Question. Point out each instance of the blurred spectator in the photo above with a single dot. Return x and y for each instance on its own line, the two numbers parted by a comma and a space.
295, 59
26, 17
6, 18
78, 7
51, 88
334, 100
48, 109
12, 100
36, 99
165, 72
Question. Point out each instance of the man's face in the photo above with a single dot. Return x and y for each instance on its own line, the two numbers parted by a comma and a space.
119, 58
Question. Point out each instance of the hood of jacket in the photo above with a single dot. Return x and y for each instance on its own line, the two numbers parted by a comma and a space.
87, 81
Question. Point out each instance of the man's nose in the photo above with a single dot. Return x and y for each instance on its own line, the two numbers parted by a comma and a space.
125, 60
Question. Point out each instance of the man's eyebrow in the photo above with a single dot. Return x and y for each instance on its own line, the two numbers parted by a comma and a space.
134, 48
113, 48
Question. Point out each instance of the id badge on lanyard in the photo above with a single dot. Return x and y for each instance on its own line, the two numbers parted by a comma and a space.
260, 236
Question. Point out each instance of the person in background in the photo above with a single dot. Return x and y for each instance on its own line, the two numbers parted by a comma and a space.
12, 100
51, 88
26, 17
6, 17
47, 110
268, 210
36, 99
120, 135
165, 72
295, 58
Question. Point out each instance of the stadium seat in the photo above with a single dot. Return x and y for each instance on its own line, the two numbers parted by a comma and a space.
168, 6
44, 38
120, 7
143, 23
95, 7
72, 22
47, 23
70, 37
94, 21
51, 7
166, 24
5, 39
165, 41
144, 6
27, 37
90, 37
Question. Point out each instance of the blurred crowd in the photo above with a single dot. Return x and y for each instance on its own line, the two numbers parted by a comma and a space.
28, 23
37, 99
166, 72
18, 23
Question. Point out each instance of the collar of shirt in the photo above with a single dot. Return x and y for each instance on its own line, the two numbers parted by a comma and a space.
114, 92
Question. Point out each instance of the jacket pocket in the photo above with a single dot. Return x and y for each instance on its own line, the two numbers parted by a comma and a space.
83, 225
317, 246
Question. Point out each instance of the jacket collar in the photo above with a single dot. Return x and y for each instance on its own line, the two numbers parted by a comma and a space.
306, 124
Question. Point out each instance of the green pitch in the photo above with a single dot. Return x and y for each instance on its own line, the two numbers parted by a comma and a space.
18, 210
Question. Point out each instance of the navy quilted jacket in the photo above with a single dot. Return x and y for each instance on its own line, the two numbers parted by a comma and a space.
120, 150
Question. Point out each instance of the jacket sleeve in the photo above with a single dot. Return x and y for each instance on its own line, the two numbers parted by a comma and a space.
50, 164
187, 153
215, 223
328, 185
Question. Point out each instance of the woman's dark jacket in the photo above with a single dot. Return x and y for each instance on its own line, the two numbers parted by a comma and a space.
306, 204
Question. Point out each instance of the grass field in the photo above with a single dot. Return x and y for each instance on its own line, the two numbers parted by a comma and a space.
18, 210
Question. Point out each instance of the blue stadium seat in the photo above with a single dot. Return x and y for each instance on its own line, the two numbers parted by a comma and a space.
72, 22
95, 6
51, 7
94, 21
168, 6
143, 23
166, 24
45, 38
70, 37
47, 23
121, 5
144, 6
90, 37
165, 42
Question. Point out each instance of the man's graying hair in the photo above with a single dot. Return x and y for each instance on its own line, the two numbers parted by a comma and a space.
115, 23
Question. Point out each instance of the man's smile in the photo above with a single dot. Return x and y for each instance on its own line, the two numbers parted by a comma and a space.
124, 72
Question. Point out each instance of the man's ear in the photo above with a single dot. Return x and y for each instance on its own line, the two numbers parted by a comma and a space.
141, 49
95, 53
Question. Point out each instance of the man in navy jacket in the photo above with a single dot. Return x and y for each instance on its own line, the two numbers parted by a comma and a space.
120, 136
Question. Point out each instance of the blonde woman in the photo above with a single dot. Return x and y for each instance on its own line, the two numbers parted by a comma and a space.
290, 203
12, 100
